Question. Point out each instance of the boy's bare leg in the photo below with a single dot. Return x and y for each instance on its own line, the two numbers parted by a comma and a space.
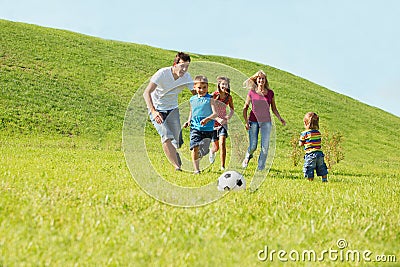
195, 159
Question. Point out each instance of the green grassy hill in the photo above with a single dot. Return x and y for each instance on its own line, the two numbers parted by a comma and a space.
67, 196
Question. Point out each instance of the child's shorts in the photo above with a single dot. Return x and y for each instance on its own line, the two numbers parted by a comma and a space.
314, 161
220, 131
201, 139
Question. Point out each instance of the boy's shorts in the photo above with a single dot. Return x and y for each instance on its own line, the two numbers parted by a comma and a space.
170, 128
202, 139
220, 131
314, 161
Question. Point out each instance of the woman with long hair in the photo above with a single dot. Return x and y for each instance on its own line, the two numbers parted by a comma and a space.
262, 100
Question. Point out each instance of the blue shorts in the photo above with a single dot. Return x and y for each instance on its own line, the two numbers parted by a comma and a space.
314, 161
202, 139
221, 131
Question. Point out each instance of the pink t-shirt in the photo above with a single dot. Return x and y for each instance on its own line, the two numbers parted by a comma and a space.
260, 106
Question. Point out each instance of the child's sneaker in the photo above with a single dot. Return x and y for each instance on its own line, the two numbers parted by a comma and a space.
211, 157
245, 163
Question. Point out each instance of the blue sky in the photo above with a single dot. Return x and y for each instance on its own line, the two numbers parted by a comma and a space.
351, 47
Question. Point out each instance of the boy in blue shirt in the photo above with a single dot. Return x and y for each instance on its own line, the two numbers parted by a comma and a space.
201, 120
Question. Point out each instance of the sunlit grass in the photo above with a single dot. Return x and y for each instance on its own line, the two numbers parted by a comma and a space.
78, 204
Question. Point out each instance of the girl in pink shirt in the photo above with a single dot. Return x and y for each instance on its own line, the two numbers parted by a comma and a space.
221, 129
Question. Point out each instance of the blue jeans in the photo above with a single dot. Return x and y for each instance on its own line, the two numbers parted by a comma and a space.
255, 128
314, 161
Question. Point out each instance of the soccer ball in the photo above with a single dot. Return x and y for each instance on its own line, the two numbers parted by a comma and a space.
231, 180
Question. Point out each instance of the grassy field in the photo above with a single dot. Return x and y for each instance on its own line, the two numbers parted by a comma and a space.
69, 199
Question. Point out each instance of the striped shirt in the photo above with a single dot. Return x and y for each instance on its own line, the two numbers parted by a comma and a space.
220, 106
311, 140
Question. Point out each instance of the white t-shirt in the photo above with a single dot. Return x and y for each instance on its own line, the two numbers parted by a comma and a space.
165, 96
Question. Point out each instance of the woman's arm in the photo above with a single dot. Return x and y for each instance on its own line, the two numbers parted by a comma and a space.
245, 109
276, 112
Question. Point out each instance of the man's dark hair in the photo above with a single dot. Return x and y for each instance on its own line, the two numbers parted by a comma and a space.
181, 56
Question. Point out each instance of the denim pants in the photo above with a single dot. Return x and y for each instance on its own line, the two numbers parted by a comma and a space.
314, 161
254, 130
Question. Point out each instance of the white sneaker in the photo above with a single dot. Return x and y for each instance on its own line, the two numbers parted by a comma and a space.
222, 169
245, 163
211, 157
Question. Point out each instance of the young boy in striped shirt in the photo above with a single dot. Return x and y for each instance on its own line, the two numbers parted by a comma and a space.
311, 140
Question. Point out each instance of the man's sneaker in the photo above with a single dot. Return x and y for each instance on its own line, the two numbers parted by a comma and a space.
196, 172
211, 157
222, 168
179, 159
324, 180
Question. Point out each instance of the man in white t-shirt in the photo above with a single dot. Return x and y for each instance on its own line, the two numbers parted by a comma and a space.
161, 96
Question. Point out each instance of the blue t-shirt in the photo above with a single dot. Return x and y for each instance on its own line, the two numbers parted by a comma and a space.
201, 108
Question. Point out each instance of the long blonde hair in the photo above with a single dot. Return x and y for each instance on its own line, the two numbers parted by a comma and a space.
251, 83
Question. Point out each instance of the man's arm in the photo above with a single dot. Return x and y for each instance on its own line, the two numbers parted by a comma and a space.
149, 102
187, 123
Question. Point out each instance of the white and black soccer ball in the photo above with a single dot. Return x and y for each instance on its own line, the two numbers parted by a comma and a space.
231, 180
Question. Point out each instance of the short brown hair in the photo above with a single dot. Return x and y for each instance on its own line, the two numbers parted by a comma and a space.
181, 56
200, 79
